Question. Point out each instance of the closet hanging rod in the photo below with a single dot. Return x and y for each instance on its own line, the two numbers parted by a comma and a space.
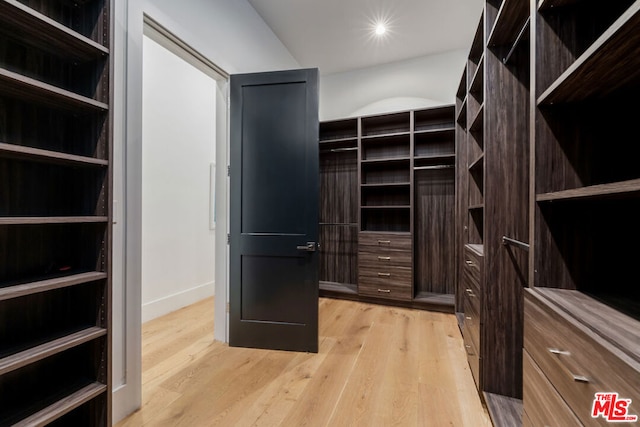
341, 224
513, 242
420, 168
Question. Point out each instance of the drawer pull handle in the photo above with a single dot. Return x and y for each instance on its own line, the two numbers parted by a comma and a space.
384, 242
468, 318
580, 378
469, 262
384, 274
470, 293
558, 351
384, 258
386, 291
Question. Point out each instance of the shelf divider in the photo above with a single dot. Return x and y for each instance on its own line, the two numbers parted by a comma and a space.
608, 61
47, 156
24, 289
24, 358
64, 406
25, 87
52, 220
509, 21
593, 191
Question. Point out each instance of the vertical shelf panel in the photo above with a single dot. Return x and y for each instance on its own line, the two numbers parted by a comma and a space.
55, 212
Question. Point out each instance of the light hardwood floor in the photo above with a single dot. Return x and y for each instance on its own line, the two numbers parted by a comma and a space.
377, 366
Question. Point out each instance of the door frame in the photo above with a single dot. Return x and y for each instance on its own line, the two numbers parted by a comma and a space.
127, 338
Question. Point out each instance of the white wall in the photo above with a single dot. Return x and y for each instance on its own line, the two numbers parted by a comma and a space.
227, 32
415, 83
178, 146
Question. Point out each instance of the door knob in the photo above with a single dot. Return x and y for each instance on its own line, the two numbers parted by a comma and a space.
309, 247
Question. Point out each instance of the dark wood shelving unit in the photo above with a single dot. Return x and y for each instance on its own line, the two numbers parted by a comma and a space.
493, 183
612, 61
510, 20
583, 209
55, 212
405, 180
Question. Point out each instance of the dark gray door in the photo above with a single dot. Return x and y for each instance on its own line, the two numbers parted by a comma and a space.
274, 211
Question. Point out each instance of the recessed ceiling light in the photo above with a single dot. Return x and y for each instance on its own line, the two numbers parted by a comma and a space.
380, 29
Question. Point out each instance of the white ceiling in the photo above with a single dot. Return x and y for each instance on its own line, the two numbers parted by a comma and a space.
337, 35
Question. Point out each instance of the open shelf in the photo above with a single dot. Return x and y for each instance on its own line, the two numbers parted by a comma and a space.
386, 160
47, 156
48, 32
23, 87
338, 130
52, 220
384, 135
389, 124
435, 299
434, 160
477, 125
23, 358
338, 140
381, 207
631, 187
611, 61
434, 119
476, 87
64, 405
44, 285
477, 164
523, 36
443, 130
509, 22
462, 114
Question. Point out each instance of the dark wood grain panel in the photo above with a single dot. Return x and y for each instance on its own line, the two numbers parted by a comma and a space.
386, 147
542, 403
434, 251
338, 258
474, 360
625, 188
511, 17
564, 34
461, 224
434, 118
506, 211
339, 187
472, 318
89, 18
385, 241
576, 360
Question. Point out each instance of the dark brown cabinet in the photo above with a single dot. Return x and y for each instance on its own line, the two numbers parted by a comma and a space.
547, 199
55, 212
582, 312
388, 208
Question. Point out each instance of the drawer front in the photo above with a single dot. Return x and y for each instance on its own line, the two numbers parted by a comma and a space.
472, 321
368, 242
385, 258
473, 265
472, 291
473, 357
575, 364
542, 403
400, 276
381, 288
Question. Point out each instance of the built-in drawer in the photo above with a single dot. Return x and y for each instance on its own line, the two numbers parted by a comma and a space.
542, 403
385, 258
473, 357
472, 319
385, 287
577, 364
368, 242
473, 264
471, 290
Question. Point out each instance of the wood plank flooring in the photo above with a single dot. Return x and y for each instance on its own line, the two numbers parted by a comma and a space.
377, 366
